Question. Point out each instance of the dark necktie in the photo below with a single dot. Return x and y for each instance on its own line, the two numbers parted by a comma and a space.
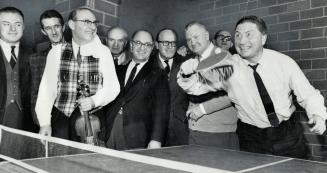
266, 100
167, 68
79, 57
13, 58
131, 76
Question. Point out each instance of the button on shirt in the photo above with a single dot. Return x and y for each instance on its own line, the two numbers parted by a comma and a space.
281, 75
6, 48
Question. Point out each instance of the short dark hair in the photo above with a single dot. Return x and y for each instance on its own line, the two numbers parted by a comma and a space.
72, 14
12, 10
141, 30
167, 29
51, 14
262, 27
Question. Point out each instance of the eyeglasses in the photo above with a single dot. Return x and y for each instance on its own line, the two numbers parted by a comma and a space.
224, 38
140, 44
167, 43
88, 22
54, 27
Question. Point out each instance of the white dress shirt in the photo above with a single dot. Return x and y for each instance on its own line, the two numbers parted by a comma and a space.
130, 67
280, 75
6, 48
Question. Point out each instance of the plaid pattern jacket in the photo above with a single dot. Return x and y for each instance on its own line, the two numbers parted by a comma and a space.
70, 75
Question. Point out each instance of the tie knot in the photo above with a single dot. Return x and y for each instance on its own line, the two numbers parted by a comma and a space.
254, 67
13, 48
136, 65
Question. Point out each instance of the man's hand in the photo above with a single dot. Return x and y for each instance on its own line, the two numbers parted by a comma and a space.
195, 113
182, 51
154, 144
46, 131
318, 123
189, 66
86, 104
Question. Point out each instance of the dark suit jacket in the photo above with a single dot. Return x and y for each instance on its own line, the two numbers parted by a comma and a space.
24, 86
178, 127
145, 107
37, 63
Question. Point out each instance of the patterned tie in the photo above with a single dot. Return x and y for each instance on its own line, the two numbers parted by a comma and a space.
79, 57
131, 76
167, 68
13, 58
265, 98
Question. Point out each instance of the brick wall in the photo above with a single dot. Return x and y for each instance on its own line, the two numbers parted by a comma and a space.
297, 28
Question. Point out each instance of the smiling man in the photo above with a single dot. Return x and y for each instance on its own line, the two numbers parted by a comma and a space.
15, 81
139, 117
211, 117
85, 61
261, 88
168, 60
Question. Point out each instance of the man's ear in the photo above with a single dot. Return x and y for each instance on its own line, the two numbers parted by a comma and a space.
71, 24
63, 28
157, 44
264, 39
43, 32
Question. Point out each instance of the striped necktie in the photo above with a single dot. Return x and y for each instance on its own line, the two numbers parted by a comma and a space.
13, 58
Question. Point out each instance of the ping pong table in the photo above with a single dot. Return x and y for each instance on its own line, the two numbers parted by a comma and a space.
222, 159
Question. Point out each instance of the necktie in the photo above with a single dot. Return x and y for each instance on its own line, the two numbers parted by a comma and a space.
131, 76
265, 98
79, 57
13, 58
167, 68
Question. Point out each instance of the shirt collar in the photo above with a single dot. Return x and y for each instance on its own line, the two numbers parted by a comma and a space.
207, 52
7, 48
170, 60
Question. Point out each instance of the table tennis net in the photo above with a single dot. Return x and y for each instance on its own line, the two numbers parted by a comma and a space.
21, 147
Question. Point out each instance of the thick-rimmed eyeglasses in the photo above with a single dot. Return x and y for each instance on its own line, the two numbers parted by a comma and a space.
168, 43
224, 38
88, 22
140, 44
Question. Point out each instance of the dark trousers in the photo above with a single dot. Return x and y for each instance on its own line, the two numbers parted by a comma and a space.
178, 133
117, 139
63, 126
226, 140
285, 140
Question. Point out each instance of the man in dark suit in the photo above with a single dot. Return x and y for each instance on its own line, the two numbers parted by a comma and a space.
139, 117
14, 86
168, 60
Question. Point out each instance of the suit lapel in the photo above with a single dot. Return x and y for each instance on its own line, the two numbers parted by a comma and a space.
132, 91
